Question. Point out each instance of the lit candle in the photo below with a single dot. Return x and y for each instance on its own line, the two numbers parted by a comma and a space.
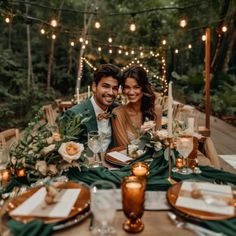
139, 171
88, 91
133, 185
77, 95
169, 113
20, 172
5, 175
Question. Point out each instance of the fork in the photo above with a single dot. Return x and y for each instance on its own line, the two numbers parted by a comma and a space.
199, 230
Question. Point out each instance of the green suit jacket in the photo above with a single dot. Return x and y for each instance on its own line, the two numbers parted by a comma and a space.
82, 108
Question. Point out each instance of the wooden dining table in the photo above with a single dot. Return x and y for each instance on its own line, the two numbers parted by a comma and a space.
156, 222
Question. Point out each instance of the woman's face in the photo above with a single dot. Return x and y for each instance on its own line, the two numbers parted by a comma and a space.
132, 90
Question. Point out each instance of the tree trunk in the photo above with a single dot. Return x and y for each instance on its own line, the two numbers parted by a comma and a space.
230, 48
219, 36
30, 67
51, 54
87, 22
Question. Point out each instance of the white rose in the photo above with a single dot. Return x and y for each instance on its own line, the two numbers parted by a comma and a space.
48, 149
148, 125
52, 169
71, 151
162, 134
41, 166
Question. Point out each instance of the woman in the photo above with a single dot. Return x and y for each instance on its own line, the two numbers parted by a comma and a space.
131, 119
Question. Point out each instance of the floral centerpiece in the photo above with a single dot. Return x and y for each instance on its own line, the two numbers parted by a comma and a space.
45, 151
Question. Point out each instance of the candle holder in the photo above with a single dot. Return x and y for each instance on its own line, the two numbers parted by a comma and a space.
20, 172
5, 176
140, 170
133, 196
169, 142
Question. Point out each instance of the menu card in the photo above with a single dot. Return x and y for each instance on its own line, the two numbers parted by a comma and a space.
119, 156
208, 197
36, 206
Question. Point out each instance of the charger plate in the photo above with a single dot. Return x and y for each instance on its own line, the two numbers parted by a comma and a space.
172, 195
81, 205
113, 160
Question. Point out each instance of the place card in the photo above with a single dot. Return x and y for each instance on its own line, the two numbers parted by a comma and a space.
212, 198
36, 206
119, 156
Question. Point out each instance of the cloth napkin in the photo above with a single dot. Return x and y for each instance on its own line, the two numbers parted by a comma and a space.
33, 228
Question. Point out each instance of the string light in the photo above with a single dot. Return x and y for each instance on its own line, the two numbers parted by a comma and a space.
53, 23
54, 36
224, 28
99, 49
110, 39
190, 46
97, 24
164, 42
119, 51
72, 43
42, 31
204, 37
183, 23
176, 51
110, 51
7, 20
81, 39
86, 42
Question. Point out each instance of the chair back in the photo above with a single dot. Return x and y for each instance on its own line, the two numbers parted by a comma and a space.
50, 115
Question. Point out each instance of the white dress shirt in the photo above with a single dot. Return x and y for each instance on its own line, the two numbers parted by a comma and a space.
104, 126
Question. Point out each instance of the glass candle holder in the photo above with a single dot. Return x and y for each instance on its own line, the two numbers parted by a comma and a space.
133, 196
21, 172
140, 169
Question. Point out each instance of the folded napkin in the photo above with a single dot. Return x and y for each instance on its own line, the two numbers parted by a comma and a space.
33, 228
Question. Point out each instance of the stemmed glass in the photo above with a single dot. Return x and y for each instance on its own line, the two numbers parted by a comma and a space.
103, 207
184, 146
95, 143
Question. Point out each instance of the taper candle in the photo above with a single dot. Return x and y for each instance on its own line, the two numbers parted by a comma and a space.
169, 113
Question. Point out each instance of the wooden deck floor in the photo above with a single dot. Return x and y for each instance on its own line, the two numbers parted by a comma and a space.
222, 134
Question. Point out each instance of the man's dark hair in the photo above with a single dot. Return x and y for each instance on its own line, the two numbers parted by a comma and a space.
106, 70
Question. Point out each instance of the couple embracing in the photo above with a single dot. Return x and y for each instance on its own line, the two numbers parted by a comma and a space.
119, 124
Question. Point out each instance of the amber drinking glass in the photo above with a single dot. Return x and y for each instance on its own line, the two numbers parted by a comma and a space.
133, 196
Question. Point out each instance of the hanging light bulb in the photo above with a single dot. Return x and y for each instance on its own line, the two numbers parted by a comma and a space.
42, 31
7, 20
97, 24
132, 25
99, 49
110, 39
183, 22
119, 51
224, 28
53, 23
72, 43
81, 39
110, 50
132, 52
164, 42
204, 37
54, 36
190, 46
86, 41
176, 51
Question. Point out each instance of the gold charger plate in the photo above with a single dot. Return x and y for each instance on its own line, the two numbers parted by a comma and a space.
113, 160
172, 195
82, 203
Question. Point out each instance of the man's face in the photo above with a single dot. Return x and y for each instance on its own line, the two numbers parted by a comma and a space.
105, 91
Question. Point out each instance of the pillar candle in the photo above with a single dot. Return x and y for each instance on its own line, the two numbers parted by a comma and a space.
169, 113
191, 124
88, 91
77, 95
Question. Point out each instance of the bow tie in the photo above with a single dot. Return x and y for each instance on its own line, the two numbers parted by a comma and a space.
104, 115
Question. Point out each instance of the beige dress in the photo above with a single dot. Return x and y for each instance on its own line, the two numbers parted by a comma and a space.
126, 126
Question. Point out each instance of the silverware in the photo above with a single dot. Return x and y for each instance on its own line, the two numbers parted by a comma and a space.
199, 230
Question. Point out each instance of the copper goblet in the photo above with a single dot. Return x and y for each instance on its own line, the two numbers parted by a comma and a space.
133, 195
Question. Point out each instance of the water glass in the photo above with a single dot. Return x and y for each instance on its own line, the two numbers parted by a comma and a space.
103, 207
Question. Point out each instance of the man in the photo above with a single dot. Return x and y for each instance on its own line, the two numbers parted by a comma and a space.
105, 86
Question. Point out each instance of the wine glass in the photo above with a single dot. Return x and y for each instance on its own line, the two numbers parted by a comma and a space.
184, 146
94, 143
103, 207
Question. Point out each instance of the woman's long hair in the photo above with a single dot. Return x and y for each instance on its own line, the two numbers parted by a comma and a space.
148, 99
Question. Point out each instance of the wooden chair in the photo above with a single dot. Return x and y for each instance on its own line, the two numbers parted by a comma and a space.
7, 139
50, 115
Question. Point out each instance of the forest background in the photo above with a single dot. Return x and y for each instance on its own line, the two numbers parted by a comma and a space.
36, 69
